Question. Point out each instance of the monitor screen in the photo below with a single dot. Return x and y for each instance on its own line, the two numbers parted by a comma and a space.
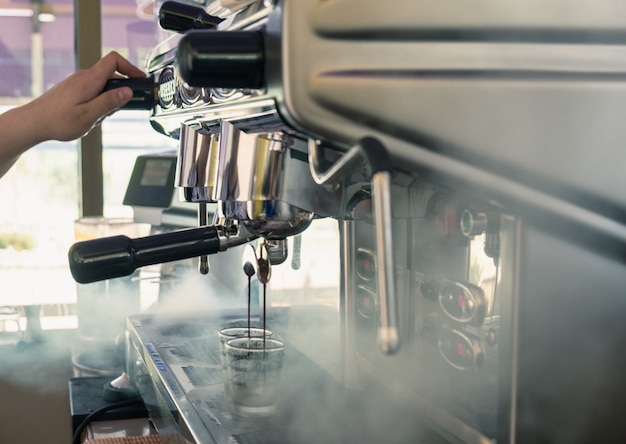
152, 181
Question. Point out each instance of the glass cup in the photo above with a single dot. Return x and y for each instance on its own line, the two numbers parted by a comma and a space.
226, 334
254, 366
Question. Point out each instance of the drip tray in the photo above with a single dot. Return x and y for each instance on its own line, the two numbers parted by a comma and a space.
184, 364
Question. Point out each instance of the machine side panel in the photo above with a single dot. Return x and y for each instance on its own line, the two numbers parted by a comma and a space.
533, 93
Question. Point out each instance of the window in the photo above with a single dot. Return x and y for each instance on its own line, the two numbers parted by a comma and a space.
39, 195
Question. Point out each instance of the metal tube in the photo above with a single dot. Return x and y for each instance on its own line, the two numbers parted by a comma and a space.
388, 336
340, 169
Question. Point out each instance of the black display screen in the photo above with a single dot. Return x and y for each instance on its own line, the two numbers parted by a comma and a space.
156, 172
152, 181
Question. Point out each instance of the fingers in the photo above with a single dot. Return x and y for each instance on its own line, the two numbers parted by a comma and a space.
71, 107
109, 101
114, 63
123, 66
100, 104
117, 97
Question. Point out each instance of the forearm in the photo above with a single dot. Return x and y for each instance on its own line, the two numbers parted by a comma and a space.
18, 133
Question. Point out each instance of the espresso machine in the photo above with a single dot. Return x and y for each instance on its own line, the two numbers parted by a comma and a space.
470, 156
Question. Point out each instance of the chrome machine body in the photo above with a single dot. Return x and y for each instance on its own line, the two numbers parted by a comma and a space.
471, 155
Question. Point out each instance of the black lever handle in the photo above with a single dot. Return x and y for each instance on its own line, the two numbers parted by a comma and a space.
117, 256
145, 92
222, 59
181, 17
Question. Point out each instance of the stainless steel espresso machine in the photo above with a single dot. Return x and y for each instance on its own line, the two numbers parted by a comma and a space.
471, 156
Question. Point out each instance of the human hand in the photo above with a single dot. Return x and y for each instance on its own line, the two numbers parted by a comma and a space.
72, 107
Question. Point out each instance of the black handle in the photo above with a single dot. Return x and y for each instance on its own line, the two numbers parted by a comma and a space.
117, 256
222, 59
144, 91
181, 17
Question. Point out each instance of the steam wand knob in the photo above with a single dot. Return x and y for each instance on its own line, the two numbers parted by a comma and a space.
181, 17
218, 59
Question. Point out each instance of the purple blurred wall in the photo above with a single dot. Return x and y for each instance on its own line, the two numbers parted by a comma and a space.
118, 32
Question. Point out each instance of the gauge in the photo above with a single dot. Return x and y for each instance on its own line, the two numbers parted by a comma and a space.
366, 264
463, 302
461, 351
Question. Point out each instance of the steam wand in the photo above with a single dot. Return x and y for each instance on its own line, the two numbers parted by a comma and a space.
376, 154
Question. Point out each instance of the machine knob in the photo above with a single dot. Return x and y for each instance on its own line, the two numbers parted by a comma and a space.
472, 223
145, 91
181, 17
222, 59
117, 256
463, 302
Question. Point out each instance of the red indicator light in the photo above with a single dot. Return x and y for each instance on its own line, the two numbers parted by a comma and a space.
365, 303
462, 301
367, 265
460, 349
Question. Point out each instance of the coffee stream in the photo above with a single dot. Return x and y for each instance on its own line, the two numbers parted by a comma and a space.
264, 277
248, 269
264, 318
249, 283
263, 266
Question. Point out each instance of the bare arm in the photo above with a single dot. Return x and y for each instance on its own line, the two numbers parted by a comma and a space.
65, 112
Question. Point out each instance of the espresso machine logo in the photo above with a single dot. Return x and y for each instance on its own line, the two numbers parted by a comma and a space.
167, 88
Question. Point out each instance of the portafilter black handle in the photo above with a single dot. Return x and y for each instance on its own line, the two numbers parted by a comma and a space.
145, 91
181, 17
117, 256
222, 59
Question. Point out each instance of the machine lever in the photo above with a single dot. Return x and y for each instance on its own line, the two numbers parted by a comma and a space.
145, 91
117, 256
376, 154
378, 158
